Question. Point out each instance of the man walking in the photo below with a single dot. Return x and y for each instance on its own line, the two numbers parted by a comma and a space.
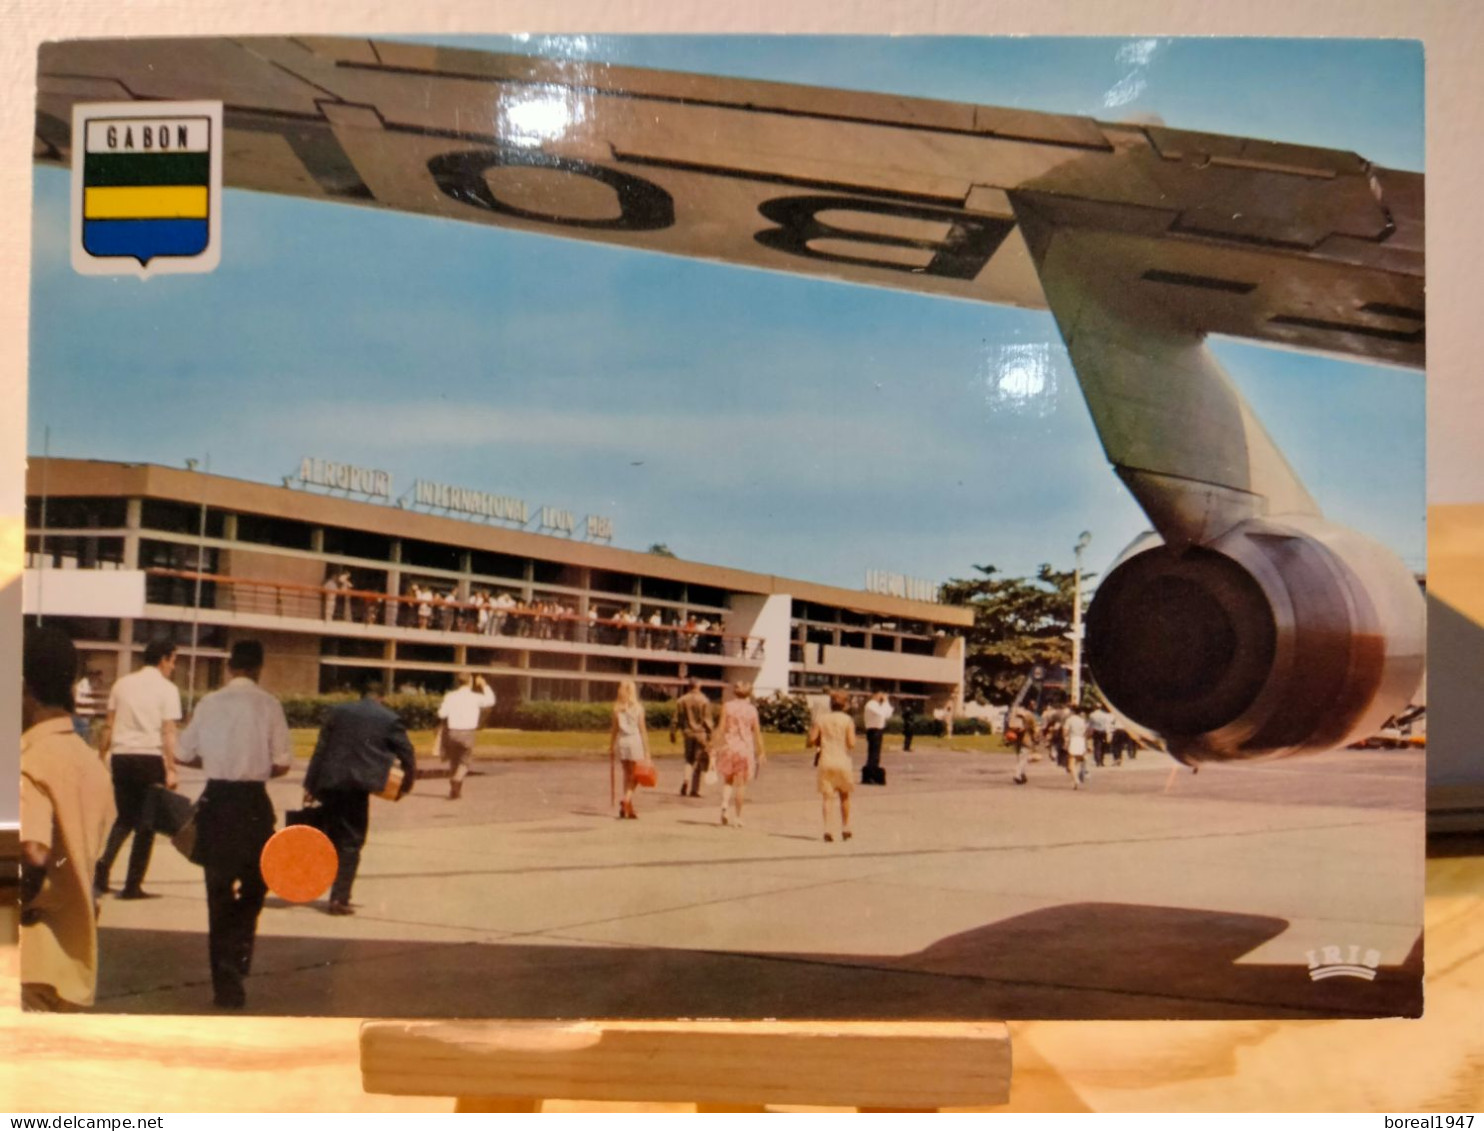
1100, 725
461, 712
240, 737
357, 747
878, 713
143, 709
66, 810
693, 719
1021, 721
1052, 722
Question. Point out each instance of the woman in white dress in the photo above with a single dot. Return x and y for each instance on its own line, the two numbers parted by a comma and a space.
628, 741
833, 735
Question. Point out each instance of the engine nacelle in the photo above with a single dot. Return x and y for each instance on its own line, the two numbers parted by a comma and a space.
1283, 636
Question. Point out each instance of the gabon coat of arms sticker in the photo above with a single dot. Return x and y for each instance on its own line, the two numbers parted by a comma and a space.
146, 188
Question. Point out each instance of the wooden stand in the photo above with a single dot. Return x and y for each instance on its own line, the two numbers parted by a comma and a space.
718, 1066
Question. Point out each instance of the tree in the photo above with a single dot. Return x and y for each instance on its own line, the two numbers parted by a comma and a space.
1018, 622
660, 550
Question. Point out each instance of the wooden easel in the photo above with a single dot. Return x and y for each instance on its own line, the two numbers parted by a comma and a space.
719, 1066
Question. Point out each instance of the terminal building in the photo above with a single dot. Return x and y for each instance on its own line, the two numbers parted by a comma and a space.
342, 589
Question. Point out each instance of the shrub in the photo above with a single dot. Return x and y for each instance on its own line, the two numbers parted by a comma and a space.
557, 714
417, 712
927, 725
310, 710
786, 714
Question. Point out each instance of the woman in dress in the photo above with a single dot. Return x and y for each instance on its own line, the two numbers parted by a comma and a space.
834, 737
739, 750
628, 741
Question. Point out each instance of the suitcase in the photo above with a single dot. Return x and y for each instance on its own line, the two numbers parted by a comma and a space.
873, 775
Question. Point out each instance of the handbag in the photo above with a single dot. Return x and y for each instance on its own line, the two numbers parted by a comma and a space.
645, 774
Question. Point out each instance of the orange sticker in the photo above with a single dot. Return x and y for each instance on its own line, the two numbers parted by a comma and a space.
299, 863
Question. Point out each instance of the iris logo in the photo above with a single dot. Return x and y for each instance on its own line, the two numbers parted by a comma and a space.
146, 187
1343, 962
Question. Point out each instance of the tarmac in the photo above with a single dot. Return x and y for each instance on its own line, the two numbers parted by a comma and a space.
1152, 892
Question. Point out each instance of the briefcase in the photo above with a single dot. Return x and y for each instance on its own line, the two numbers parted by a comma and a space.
311, 815
173, 815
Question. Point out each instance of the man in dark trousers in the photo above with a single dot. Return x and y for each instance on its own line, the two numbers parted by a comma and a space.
240, 737
909, 720
143, 708
357, 747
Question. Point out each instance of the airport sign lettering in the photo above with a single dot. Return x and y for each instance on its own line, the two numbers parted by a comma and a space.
900, 585
345, 477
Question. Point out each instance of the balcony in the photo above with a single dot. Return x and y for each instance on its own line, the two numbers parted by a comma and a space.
279, 605
833, 660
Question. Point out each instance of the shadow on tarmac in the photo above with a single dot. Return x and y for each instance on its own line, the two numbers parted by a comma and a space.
1088, 960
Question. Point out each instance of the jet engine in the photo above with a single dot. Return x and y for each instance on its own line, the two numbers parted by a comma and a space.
1281, 636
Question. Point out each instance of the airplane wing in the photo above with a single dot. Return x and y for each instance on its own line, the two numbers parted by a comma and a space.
1141, 240
1297, 245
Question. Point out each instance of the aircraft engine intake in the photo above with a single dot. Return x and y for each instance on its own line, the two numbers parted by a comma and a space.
1282, 636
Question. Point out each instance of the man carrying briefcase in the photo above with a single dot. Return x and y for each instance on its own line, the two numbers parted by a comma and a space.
359, 746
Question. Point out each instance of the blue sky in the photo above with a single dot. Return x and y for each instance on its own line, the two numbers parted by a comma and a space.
767, 421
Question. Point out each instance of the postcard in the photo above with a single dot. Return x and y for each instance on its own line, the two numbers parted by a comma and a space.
746, 527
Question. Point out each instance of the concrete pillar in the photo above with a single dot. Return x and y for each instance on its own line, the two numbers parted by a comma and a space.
770, 617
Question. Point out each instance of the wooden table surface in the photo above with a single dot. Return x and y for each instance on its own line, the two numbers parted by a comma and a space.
214, 1063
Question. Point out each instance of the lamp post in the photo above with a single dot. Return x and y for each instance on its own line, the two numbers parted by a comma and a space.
1082, 540
191, 466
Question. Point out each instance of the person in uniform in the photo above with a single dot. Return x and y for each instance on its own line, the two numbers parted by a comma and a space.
693, 720
240, 737
66, 809
357, 748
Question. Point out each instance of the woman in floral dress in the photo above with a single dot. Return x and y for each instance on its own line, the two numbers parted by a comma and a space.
738, 752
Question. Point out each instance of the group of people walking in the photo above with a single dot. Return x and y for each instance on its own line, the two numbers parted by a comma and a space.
1071, 734
80, 805
729, 746
728, 749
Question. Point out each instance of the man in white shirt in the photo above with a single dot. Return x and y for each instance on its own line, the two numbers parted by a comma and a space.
240, 737
143, 708
878, 713
460, 712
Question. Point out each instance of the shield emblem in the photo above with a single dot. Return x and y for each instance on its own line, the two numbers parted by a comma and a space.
146, 196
